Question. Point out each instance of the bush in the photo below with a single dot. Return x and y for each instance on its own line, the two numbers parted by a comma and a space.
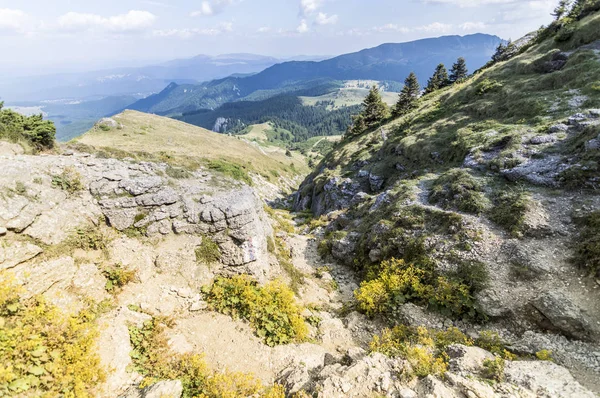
509, 209
271, 310
33, 129
544, 355
68, 180
424, 349
493, 369
208, 252
587, 246
177, 173
492, 342
151, 358
45, 352
457, 189
117, 277
398, 282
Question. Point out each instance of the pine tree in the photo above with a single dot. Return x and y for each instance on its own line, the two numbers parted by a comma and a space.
459, 71
374, 108
409, 96
438, 80
562, 9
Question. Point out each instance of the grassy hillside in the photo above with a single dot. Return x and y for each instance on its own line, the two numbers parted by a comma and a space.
152, 137
472, 156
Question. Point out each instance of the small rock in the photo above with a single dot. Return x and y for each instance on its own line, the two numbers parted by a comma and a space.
198, 306
558, 128
68, 152
3, 231
407, 393
542, 139
592, 145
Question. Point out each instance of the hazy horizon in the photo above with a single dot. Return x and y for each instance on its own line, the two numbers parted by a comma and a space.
43, 38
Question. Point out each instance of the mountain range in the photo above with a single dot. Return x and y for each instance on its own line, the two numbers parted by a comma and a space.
387, 62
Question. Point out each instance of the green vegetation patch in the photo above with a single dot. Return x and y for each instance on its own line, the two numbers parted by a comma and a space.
423, 348
152, 358
208, 252
509, 209
68, 180
232, 170
398, 282
117, 277
271, 309
458, 189
45, 352
31, 130
587, 245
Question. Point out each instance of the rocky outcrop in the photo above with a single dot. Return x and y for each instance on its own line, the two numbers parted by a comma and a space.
131, 197
360, 375
560, 314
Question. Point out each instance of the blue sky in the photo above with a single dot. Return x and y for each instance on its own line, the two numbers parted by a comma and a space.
46, 36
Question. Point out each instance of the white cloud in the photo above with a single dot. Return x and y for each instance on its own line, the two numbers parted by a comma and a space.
210, 8
303, 27
187, 33
308, 7
263, 29
324, 19
390, 28
435, 27
471, 3
13, 20
134, 20
470, 26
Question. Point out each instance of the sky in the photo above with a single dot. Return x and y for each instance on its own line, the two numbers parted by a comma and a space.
48, 36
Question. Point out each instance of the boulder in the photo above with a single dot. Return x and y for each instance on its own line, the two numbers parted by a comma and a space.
545, 378
561, 314
376, 182
466, 360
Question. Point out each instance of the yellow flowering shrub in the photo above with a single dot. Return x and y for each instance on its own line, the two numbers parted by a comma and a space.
43, 352
271, 310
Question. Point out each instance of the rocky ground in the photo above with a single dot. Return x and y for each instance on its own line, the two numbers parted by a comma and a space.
139, 218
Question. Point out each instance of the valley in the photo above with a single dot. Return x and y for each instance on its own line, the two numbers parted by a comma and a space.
315, 228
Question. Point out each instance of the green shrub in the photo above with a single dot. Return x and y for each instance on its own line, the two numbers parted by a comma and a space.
493, 343
117, 277
544, 355
509, 209
208, 252
33, 129
44, 352
493, 369
68, 180
271, 310
232, 170
457, 189
488, 85
423, 348
565, 34
398, 282
587, 245
152, 358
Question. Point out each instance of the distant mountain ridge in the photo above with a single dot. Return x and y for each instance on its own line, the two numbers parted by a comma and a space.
140, 81
387, 62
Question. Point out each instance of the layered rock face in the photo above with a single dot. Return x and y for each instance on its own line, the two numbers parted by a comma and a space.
130, 197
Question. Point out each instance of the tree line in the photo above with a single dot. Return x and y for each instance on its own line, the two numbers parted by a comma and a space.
34, 130
375, 110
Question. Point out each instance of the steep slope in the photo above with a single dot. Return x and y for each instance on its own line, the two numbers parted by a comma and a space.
387, 62
487, 192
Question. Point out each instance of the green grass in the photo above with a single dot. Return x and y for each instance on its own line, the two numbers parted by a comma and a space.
587, 245
457, 189
232, 170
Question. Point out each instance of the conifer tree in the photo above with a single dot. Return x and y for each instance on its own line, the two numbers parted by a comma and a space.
374, 108
459, 71
409, 96
438, 80
562, 9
